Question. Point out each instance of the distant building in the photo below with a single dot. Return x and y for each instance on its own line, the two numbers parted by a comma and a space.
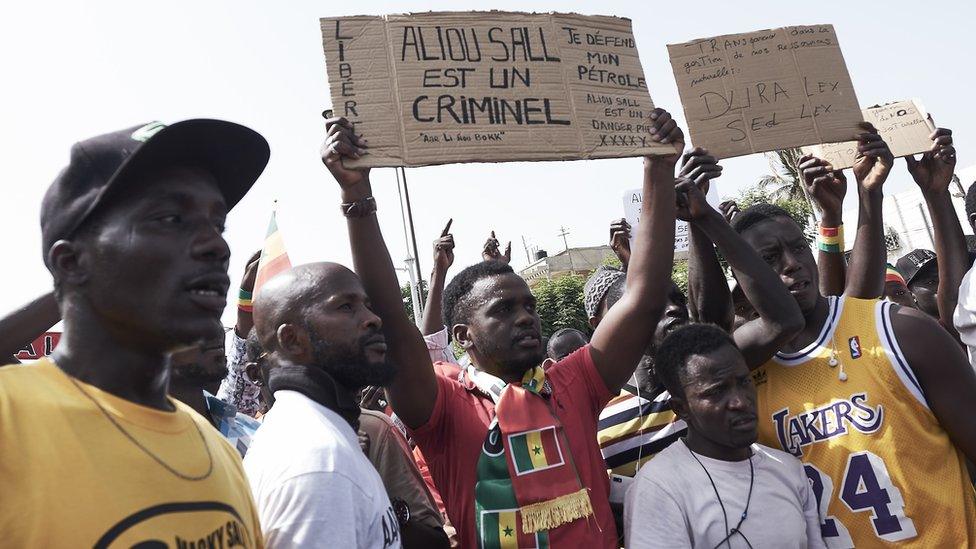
574, 260
907, 222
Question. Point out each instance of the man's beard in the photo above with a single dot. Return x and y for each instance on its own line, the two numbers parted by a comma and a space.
349, 365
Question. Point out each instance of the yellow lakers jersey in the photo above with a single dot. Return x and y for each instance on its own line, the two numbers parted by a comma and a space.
850, 407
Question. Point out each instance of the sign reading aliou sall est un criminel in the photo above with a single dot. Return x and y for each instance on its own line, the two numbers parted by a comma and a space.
438, 88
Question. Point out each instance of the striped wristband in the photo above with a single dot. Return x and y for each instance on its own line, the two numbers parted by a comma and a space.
831, 239
244, 302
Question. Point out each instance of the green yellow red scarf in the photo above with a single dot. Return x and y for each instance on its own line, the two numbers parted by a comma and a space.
527, 481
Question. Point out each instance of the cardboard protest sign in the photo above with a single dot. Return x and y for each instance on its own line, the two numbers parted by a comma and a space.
632, 210
438, 88
766, 90
41, 347
904, 125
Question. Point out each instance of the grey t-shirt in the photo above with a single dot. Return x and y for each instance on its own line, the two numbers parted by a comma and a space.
672, 503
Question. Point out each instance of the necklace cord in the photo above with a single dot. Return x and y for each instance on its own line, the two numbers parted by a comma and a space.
752, 476
145, 450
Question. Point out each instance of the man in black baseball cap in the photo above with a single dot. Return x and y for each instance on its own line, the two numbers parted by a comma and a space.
921, 272
95, 453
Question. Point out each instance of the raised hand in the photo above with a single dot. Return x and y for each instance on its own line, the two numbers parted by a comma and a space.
620, 240
700, 167
444, 248
665, 130
491, 253
874, 159
690, 200
933, 172
826, 186
251, 272
340, 142
729, 210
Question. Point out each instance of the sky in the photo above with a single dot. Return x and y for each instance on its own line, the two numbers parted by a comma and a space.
73, 70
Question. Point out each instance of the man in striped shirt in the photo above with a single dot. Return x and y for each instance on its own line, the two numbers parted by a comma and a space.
637, 423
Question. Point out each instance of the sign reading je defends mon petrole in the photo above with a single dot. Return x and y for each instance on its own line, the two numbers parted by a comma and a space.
437, 88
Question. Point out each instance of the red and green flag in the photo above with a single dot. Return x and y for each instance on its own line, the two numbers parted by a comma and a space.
536, 450
503, 529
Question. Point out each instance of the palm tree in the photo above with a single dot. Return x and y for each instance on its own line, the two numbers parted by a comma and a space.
786, 183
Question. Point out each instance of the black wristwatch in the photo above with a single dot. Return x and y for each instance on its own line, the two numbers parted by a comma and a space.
402, 511
359, 208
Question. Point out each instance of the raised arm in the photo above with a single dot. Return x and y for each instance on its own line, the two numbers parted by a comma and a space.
627, 329
827, 188
26, 323
245, 316
709, 298
414, 390
933, 173
443, 259
779, 315
865, 277
947, 380
620, 241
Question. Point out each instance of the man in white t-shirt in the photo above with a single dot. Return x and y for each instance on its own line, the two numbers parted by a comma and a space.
312, 484
716, 486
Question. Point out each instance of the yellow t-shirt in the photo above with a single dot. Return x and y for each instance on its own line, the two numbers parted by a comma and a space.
70, 478
883, 470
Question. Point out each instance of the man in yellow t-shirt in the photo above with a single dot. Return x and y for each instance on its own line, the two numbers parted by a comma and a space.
92, 451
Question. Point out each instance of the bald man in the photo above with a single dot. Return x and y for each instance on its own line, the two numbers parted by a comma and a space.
311, 481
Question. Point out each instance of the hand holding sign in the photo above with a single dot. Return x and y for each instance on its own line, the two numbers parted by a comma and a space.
665, 130
826, 186
341, 142
874, 159
933, 172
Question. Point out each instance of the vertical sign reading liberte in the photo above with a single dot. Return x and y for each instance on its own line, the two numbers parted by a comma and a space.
439, 88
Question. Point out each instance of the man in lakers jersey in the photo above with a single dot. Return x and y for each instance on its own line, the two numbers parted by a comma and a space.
875, 399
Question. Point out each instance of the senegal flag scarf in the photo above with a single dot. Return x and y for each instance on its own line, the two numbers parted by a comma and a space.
527, 481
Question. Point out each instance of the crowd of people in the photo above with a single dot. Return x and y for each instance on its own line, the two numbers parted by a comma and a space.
813, 402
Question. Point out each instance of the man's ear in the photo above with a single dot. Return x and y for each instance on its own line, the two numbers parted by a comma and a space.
594, 321
679, 407
293, 342
972, 221
462, 336
68, 262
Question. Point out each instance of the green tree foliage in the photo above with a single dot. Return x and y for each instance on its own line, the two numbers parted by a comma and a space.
559, 303
679, 274
798, 208
408, 299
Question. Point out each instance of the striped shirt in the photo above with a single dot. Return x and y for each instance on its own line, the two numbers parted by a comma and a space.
633, 429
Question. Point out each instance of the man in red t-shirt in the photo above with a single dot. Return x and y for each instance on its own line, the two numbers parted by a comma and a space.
491, 314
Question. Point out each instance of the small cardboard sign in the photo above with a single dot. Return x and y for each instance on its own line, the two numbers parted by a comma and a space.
766, 90
439, 88
632, 211
904, 125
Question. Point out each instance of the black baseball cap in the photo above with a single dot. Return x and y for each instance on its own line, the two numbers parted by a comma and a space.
912, 263
234, 154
